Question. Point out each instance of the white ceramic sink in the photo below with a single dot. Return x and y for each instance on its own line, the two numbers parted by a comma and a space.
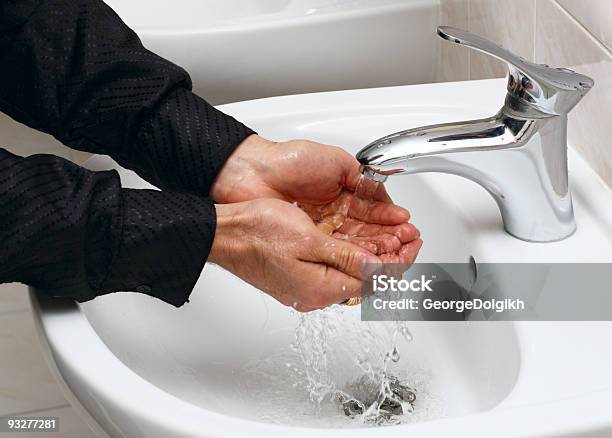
246, 49
138, 367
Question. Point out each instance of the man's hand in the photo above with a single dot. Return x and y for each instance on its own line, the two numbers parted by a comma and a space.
308, 257
368, 225
296, 171
322, 180
276, 247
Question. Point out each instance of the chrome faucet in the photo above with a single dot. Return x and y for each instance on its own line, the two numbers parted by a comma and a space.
518, 155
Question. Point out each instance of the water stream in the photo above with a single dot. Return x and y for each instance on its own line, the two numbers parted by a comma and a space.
375, 396
376, 391
343, 372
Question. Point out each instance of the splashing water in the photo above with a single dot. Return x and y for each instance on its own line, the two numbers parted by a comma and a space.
344, 372
376, 395
377, 391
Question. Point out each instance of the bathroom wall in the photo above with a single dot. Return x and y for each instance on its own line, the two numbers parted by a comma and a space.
565, 33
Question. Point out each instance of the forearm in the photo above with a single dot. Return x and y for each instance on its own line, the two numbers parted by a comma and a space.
73, 69
78, 234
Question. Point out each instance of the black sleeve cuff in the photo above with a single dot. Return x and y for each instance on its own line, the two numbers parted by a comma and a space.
183, 144
77, 234
161, 243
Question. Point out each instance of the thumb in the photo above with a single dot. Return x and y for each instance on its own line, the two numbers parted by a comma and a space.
345, 256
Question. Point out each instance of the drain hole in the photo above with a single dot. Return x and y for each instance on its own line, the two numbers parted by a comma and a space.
377, 403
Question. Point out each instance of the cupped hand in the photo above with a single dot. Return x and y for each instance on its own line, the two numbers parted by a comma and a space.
308, 257
276, 247
301, 171
367, 224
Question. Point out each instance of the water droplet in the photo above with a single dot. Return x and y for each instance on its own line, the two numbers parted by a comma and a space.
395, 356
406, 333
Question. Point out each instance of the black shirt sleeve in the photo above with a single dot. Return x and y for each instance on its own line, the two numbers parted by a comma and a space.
76, 233
73, 69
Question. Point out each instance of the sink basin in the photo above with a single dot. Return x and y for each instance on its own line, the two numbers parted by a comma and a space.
137, 367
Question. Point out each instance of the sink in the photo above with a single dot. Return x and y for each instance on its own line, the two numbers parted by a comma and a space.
246, 49
134, 366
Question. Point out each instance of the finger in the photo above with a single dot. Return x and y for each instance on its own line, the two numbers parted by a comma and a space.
391, 258
350, 167
405, 232
393, 266
409, 252
315, 212
333, 287
375, 190
361, 185
382, 195
331, 223
343, 256
352, 177
381, 244
362, 243
378, 212
304, 309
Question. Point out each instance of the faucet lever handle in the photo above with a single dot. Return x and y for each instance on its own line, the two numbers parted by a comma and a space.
531, 86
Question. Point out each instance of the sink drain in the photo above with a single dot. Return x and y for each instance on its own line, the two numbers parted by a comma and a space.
377, 402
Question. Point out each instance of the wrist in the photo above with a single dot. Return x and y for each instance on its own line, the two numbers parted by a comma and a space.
226, 243
247, 161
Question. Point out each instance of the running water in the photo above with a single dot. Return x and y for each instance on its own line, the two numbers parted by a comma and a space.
379, 389
375, 395
378, 392
366, 189
344, 372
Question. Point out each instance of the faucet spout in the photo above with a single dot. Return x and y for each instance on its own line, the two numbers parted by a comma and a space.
420, 149
521, 162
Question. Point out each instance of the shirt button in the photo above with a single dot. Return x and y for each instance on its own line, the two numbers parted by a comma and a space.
143, 289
